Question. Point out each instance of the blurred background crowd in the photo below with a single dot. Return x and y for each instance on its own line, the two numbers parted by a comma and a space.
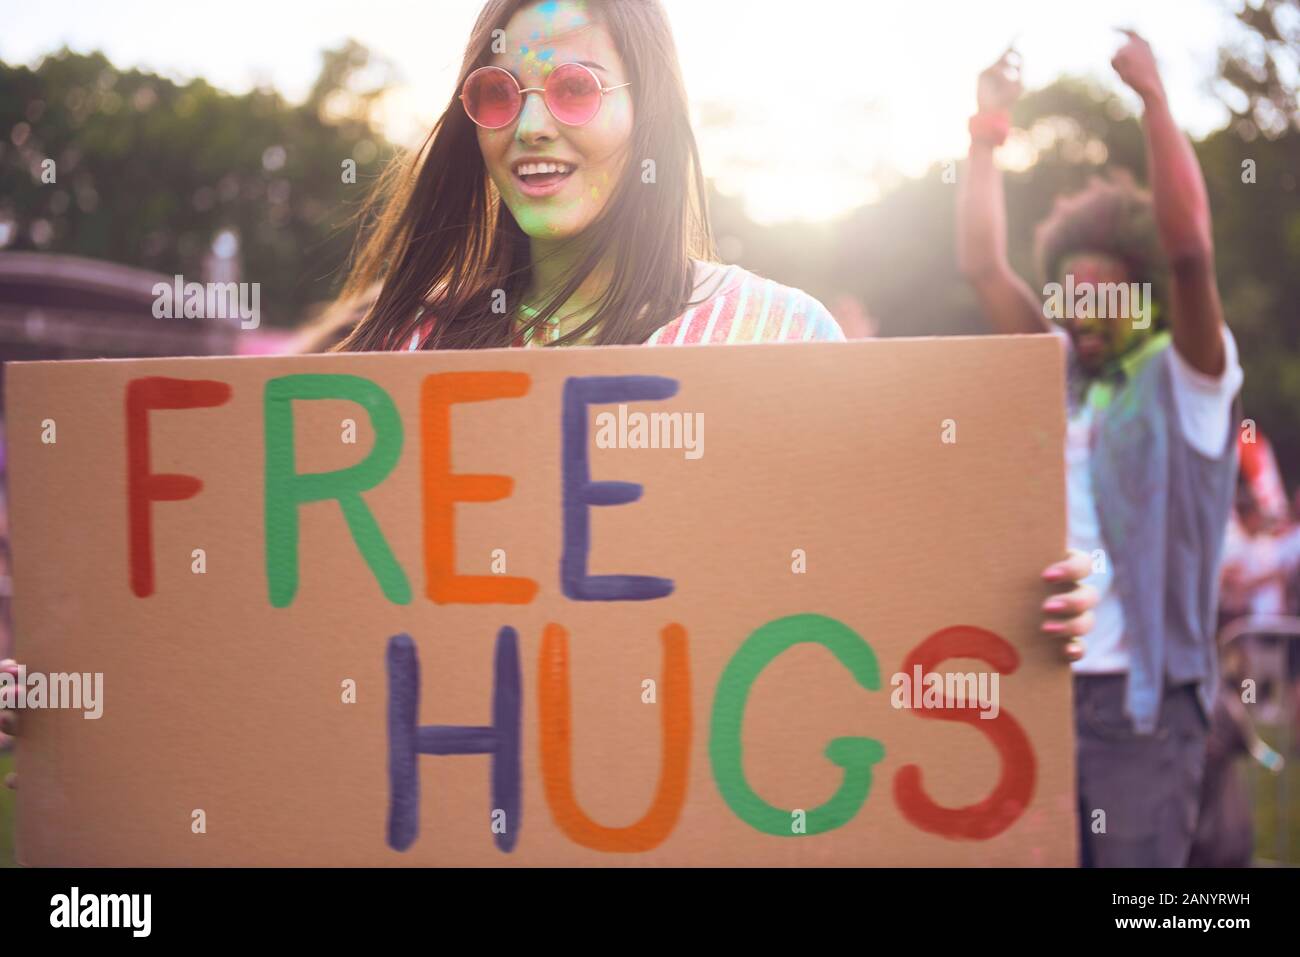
175, 163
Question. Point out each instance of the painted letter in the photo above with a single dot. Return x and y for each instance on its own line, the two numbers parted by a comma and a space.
286, 490
1011, 795
557, 748
407, 739
855, 755
443, 489
142, 486
581, 493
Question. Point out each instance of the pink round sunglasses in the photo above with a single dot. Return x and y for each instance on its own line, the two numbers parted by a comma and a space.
493, 98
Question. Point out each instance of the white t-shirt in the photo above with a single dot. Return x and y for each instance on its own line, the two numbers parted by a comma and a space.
1204, 413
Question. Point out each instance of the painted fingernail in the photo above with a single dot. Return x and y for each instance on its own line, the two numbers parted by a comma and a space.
1055, 627
1054, 604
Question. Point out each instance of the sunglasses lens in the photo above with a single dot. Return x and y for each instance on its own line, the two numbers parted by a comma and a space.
573, 94
491, 98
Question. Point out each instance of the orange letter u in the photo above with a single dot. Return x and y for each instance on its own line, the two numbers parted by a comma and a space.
557, 748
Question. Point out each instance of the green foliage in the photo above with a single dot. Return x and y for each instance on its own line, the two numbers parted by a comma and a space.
6, 813
1258, 68
1257, 245
1276, 824
148, 172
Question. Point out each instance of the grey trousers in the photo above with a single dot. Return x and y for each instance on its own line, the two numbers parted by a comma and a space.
1138, 794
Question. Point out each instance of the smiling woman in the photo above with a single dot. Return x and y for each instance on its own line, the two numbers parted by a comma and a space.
558, 200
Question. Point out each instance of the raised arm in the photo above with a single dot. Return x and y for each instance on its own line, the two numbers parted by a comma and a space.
1006, 299
1182, 214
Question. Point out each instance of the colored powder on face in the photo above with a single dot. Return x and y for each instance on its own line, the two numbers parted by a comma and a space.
547, 55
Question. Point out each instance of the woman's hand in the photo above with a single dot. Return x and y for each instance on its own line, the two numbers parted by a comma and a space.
999, 85
8, 716
1068, 613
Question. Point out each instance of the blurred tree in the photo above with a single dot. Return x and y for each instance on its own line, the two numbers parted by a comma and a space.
351, 80
1259, 69
1252, 168
147, 171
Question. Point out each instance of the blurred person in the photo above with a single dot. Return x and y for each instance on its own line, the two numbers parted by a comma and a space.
1293, 583
1259, 470
529, 217
1259, 558
1234, 600
1150, 453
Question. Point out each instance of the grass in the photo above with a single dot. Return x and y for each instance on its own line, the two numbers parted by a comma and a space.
1265, 798
6, 814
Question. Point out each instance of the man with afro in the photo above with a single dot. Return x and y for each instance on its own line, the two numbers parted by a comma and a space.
1129, 286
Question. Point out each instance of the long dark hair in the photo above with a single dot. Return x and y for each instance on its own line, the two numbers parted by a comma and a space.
441, 238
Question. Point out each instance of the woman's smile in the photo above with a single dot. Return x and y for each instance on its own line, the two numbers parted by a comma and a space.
539, 177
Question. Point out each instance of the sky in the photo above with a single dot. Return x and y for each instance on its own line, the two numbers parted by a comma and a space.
898, 77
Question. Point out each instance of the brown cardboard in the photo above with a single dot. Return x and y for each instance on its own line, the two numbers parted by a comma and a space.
215, 700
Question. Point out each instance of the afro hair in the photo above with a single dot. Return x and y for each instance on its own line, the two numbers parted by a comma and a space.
1111, 216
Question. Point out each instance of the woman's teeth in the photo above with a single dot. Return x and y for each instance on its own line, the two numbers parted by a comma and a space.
543, 175
535, 169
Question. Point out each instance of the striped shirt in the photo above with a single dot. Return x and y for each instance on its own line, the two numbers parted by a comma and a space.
742, 308
748, 308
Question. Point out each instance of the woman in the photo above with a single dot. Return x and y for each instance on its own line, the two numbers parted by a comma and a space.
559, 200
573, 215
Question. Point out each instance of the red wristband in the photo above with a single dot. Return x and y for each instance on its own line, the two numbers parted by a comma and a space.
991, 128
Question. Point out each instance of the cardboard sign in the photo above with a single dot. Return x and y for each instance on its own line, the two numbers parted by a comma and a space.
754, 605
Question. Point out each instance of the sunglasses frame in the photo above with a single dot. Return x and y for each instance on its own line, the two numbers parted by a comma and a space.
524, 91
